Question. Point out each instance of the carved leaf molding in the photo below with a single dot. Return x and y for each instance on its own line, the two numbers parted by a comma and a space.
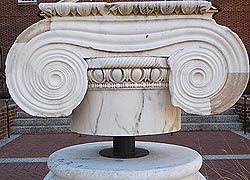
125, 8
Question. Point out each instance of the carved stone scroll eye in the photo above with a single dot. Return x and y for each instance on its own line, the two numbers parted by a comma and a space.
200, 80
51, 82
194, 78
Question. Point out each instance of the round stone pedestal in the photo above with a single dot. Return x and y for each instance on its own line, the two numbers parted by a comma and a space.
165, 162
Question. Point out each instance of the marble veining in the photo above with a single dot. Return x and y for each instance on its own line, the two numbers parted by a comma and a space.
126, 112
98, 117
140, 113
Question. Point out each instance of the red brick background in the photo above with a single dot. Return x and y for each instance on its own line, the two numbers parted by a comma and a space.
235, 14
14, 19
205, 142
240, 110
3, 119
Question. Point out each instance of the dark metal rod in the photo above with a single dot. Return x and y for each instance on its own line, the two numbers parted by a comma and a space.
245, 115
124, 145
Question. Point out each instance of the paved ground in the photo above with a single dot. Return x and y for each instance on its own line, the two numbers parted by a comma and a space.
226, 154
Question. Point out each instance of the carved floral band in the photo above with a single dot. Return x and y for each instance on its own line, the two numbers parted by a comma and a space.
128, 73
125, 8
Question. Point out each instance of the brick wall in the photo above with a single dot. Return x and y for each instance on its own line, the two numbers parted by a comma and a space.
240, 109
3, 119
14, 19
235, 14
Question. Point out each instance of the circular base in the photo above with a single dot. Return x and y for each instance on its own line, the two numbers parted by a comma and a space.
51, 176
164, 162
139, 152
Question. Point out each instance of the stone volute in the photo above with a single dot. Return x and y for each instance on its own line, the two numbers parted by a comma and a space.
126, 69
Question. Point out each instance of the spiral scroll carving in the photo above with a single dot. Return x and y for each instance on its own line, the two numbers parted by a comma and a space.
52, 82
197, 75
209, 59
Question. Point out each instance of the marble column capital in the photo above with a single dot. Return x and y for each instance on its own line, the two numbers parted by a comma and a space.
48, 70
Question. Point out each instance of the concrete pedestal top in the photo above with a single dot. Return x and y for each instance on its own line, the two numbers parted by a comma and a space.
164, 162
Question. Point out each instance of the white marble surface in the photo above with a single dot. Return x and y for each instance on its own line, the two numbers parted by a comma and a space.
126, 113
165, 162
51, 83
46, 67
